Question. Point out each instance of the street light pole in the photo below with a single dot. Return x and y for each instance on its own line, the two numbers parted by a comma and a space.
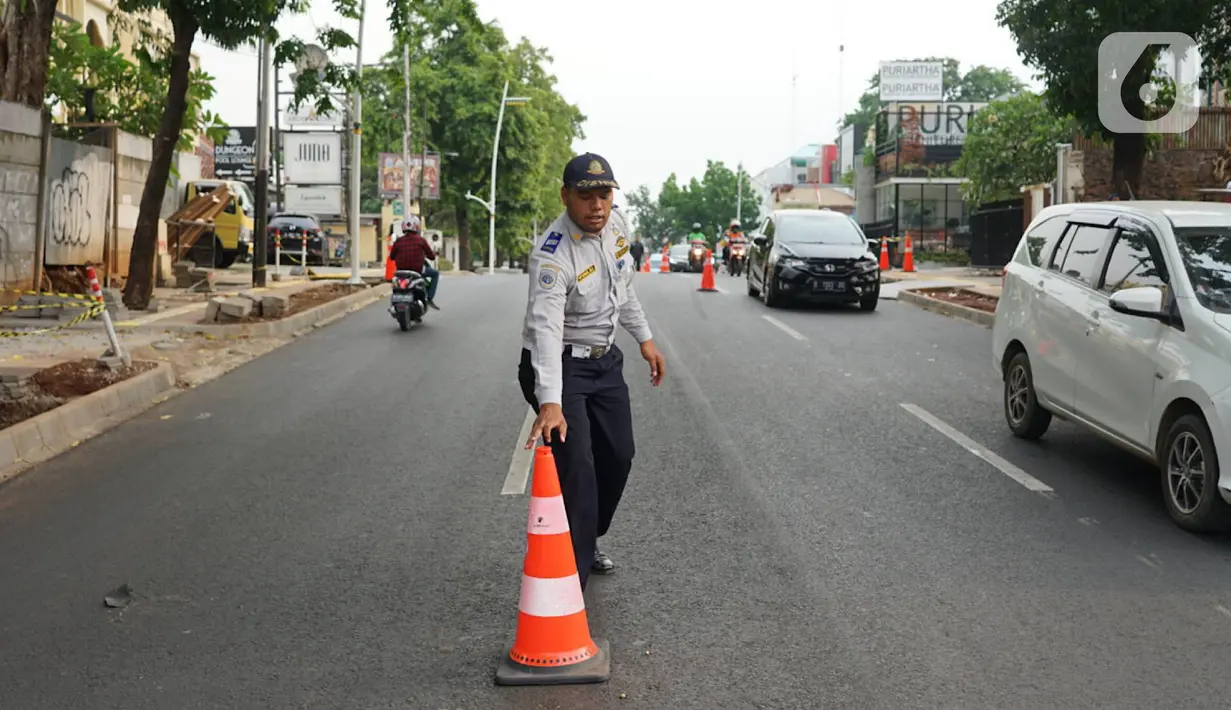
491, 203
356, 145
406, 135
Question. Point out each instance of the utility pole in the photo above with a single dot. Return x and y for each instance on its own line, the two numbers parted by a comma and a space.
406, 135
259, 242
739, 194
356, 145
423, 168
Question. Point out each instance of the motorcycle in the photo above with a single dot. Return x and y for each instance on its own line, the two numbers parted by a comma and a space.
696, 258
408, 302
739, 259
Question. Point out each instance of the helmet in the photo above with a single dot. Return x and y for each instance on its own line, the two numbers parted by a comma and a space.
696, 226
735, 224
410, 224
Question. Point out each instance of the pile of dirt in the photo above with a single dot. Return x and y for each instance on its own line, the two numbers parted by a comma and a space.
963, 297
54, 386
301, 301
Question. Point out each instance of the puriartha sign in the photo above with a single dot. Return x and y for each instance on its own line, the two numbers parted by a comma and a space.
912, 81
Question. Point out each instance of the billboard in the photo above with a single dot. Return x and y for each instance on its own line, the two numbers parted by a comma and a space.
912, 81
321, 200
392, 170
312, 158
932, 123
234, 156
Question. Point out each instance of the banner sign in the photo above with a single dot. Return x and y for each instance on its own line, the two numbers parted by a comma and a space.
392, 170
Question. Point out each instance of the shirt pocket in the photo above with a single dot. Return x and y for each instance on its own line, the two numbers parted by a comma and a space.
582, 296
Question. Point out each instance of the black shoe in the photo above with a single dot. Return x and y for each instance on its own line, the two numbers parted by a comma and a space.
602, 563
432, 303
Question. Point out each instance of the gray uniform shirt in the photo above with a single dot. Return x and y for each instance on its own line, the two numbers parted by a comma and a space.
581, 287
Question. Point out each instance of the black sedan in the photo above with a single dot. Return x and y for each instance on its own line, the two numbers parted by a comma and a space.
813, 255
293, 229
677, 256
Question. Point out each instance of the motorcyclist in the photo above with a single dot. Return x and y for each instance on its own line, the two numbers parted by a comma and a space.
411, 252
696, 237
735, 235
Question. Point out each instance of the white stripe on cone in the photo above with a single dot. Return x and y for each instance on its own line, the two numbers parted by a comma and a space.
551, 597
547, 516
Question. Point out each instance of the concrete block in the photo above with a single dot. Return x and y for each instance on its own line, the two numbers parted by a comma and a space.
235, 308
27, 439
28, 312
274, 305
212, 309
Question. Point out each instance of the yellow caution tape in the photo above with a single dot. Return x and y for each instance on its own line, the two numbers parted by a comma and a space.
40, 306
97, 309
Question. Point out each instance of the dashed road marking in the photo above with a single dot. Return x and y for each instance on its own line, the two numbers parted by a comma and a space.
523, 458
785, 328
982, 452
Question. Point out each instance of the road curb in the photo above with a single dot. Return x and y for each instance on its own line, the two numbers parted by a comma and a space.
50, 434
299, 322
945, 308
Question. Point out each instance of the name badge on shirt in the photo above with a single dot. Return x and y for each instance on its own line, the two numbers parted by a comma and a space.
622, 252
585, 274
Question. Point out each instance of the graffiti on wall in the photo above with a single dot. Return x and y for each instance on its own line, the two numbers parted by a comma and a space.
78, 203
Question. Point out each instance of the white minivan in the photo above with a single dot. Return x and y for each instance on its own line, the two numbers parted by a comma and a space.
1117, 316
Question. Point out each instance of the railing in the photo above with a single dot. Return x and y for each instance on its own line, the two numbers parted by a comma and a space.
1211, 132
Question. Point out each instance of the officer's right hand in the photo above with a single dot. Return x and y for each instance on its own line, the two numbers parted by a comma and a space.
551, 417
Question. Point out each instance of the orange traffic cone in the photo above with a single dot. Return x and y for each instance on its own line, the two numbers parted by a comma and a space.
645, 265
884, 254
665, 266
908, 257
553, 645
707, 273
390, 266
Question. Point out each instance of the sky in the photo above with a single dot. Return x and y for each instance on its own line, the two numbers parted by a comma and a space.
667, 84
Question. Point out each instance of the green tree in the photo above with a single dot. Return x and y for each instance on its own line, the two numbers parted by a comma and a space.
979, 84
1058, 38
25, 42
710, 201
1009, 144
129, 93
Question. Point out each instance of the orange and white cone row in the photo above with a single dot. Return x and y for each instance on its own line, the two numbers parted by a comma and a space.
553, 644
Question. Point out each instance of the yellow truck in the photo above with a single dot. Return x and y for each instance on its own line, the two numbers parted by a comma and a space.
231, 239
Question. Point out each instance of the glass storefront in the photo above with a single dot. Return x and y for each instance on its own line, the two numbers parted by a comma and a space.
930, 213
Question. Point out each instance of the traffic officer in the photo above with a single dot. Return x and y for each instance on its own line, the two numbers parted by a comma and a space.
571, 371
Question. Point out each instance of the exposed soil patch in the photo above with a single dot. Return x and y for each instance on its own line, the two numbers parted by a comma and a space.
963, 297
54, 386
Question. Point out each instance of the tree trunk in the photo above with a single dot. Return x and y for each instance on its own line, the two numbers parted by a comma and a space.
140, 284
25, 41
1128, 158
463, 239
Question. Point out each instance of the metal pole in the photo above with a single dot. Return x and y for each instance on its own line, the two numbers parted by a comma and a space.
112, 243
739, 194
356, 147
259, 242
40, 217
275, 153
491, 205
423, 168
406, 135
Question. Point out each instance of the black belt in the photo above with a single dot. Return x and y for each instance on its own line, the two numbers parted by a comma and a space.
586, 352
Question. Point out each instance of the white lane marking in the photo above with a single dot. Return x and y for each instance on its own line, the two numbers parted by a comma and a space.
785, 328
982, 452
1223, 610
1147, 562
523, 459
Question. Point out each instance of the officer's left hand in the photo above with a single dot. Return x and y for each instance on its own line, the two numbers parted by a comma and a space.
658, 364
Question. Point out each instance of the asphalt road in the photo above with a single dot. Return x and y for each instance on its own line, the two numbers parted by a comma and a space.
324, 528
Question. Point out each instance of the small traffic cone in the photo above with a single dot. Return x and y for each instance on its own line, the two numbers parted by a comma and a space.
884, 254
665, 266
707, 273
553, 645
908, 257
390, 266
645, 265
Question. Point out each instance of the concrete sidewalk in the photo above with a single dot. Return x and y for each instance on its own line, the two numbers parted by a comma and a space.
978, 280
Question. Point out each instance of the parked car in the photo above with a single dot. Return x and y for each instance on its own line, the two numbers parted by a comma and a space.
1117, 316
656, 260
293, 227
814, 255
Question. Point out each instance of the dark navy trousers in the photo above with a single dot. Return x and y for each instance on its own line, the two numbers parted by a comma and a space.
594, 462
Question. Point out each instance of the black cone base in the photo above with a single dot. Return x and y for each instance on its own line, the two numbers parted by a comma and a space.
594, 670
